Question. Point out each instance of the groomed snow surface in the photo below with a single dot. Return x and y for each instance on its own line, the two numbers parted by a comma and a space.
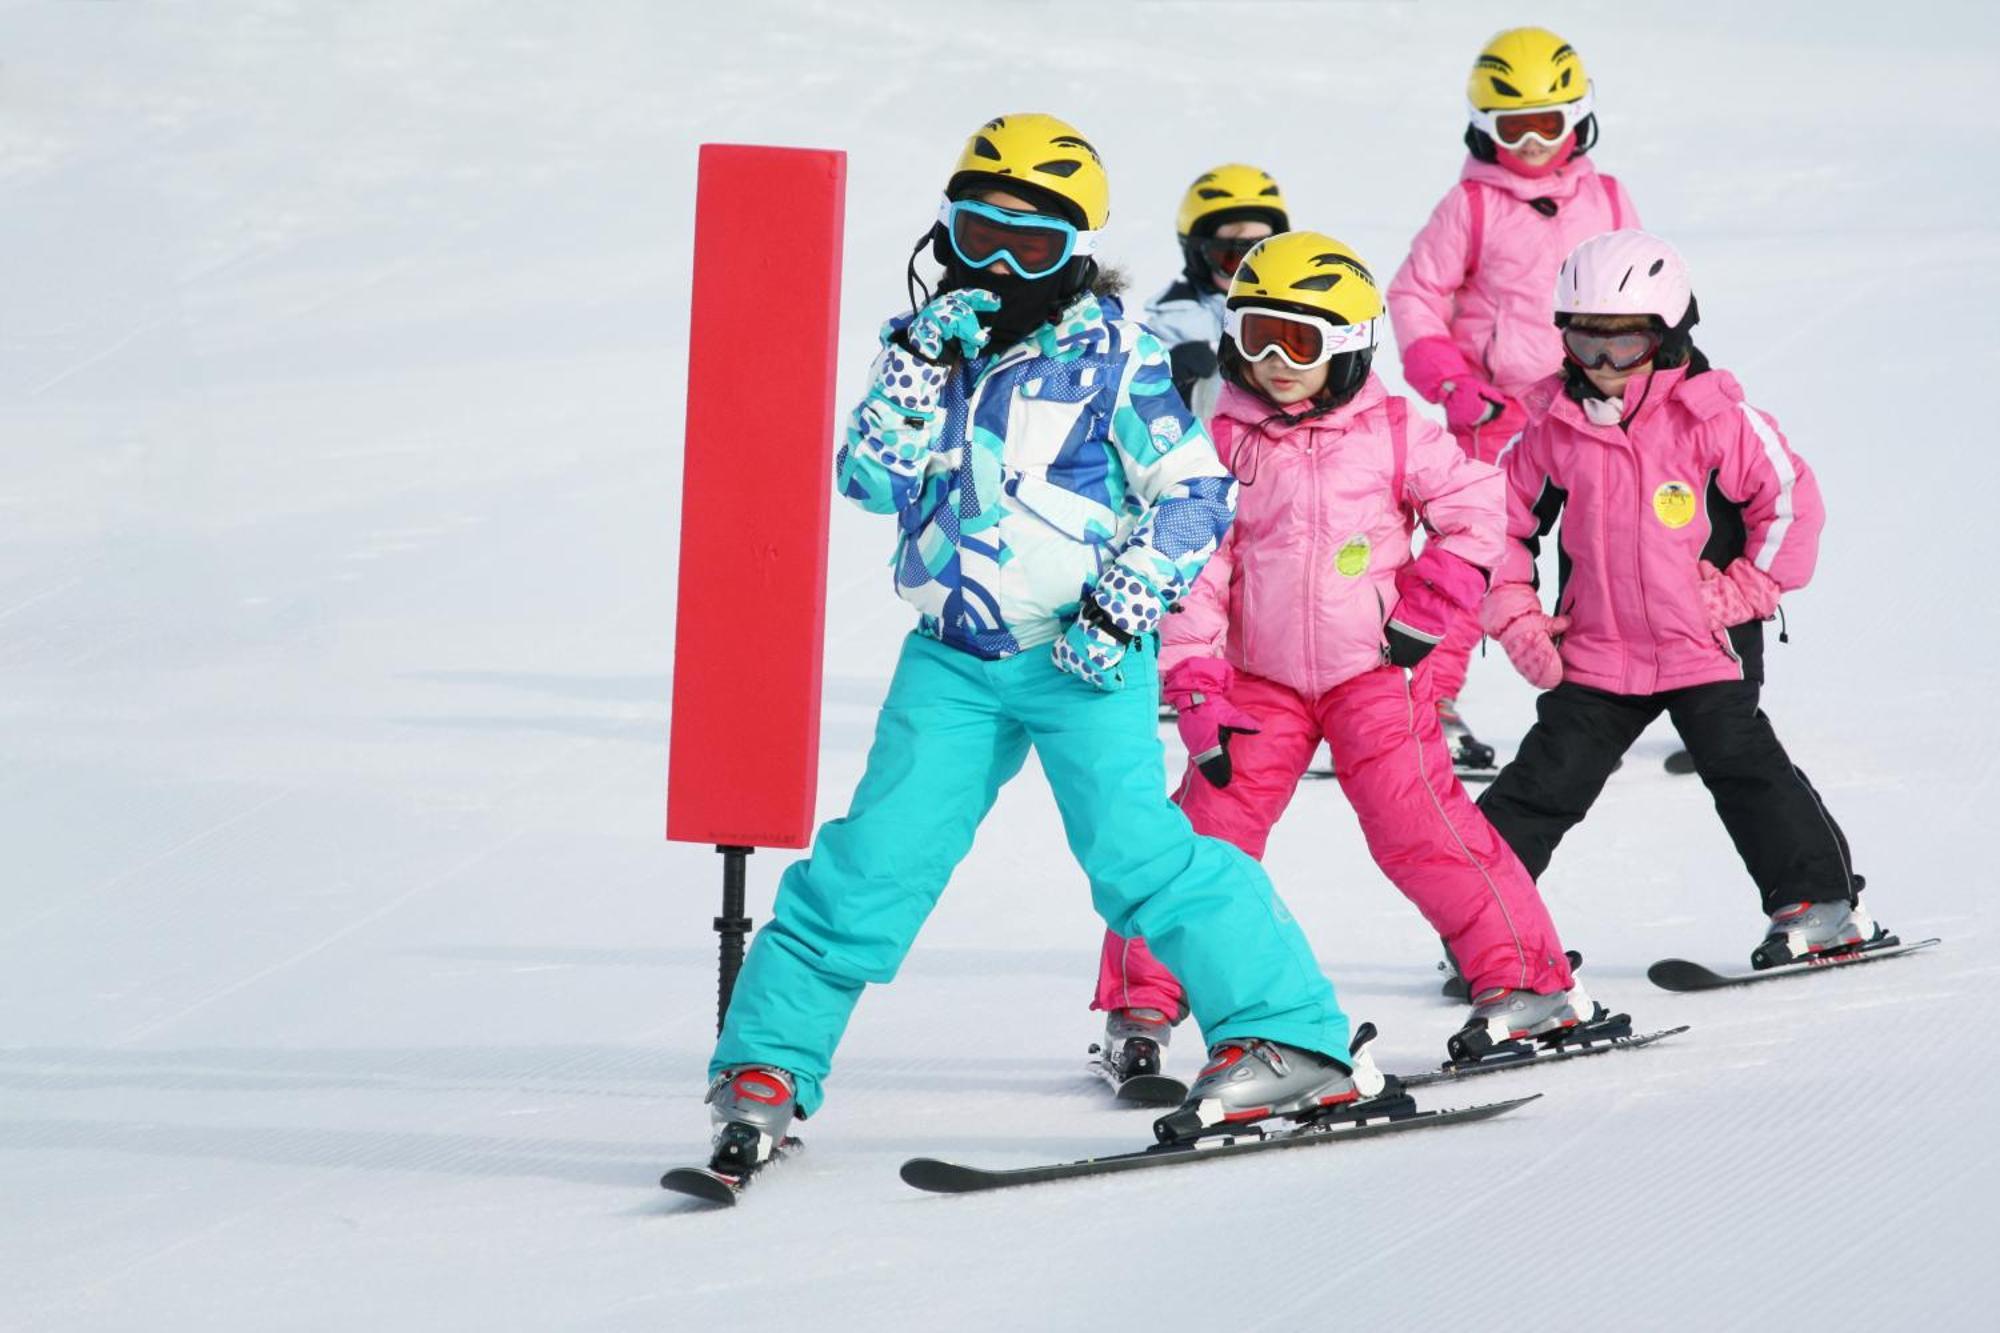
345, 980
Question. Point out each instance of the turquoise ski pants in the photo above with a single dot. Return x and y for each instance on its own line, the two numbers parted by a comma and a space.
953, 730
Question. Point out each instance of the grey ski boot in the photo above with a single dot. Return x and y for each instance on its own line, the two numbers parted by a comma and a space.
1455, 986
1800, 930
1502, 1019
752, 1106
1134, 1042
1253, 1079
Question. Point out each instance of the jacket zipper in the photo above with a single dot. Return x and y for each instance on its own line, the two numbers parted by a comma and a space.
1311, 608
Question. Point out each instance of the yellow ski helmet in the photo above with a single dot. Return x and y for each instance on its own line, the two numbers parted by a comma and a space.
1042, 152
1240, 191
1526, 67
1308, 273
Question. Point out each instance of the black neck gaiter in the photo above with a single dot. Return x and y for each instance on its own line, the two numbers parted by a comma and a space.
1025, 303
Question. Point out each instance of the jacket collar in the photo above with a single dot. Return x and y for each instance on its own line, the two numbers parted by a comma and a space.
1560, 185
1248, 410
1702, 397
1083, 329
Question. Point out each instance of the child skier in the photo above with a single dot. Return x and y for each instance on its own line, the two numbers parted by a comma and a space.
1301, 628
1470, 305
1053, 498
1224, 213
1686, 516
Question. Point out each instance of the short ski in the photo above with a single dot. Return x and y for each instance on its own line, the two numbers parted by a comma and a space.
927, 1173
1453, 1070
1142, 1089
1678, 974
721, 1187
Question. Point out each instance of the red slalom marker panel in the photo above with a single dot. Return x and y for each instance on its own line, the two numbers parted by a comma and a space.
757, 483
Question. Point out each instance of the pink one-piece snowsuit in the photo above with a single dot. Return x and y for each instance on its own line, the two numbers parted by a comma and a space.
1476, 300
1296, 602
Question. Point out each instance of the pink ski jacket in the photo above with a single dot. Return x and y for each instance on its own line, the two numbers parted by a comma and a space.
1481, 275
1306, 579
1697, 474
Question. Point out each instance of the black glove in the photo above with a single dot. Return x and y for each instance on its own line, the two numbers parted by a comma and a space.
1405, 649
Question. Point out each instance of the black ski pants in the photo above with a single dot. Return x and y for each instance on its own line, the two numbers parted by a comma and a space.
1789, 843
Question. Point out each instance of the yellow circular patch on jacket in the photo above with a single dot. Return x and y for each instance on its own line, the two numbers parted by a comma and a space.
1674, 504
1353, 558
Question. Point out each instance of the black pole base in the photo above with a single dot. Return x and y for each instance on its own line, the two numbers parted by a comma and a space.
732, 926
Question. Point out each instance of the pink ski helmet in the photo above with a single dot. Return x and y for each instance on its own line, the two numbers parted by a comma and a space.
1627, 272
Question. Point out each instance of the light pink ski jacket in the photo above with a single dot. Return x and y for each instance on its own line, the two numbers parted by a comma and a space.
1482, 272
1696, 474
1306, 579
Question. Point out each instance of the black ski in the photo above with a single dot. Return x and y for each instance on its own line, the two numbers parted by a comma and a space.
1678, 974
1142, 1089
1452, 1070
926, 1173
722, 1187
1680, 763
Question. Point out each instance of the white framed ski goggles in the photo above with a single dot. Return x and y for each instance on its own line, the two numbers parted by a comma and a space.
1546, 125
1300, 341
1033, 244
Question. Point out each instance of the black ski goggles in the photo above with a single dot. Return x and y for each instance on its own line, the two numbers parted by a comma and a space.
1225, 254
1594, 349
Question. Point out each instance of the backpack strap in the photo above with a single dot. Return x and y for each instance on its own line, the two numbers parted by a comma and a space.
1475, 203
1610, 185
1399, 449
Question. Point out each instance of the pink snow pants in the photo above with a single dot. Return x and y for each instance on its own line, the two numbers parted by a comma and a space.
1424, 832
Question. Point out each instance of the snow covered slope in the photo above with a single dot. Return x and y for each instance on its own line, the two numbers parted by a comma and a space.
344, 979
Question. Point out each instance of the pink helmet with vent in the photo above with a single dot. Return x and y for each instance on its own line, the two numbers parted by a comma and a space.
1624, 273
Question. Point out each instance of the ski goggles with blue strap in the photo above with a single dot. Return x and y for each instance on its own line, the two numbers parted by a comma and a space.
1033, 244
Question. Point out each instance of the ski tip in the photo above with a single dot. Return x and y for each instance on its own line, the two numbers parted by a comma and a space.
1679, 974
695, 1183
936, 1177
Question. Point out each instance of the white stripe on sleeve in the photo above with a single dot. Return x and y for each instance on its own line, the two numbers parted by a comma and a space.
1788, 477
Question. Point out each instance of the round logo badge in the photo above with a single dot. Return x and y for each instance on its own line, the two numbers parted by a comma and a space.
1674, 504
1353, 558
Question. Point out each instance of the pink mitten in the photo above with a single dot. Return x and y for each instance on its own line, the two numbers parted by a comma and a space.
1429, 362
1431, 592
1472, 402
1513, 614
1736, 596
1198, 690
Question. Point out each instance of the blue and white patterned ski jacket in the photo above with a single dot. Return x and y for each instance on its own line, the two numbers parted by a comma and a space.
1040, 466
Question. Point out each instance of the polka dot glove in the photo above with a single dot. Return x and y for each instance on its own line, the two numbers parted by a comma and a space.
950, 324
1127, 601
907, 385
1122, 607
1092, 654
